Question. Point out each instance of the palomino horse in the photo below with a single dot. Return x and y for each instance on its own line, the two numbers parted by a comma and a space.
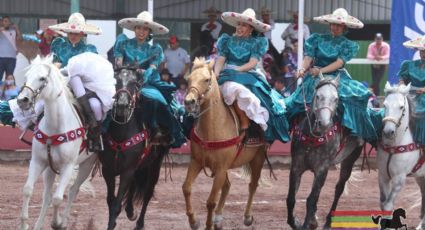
398, 155
316, 146
128, 155
216, 145
56, 143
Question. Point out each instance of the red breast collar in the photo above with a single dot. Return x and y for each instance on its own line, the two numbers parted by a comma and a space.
132, 141
212, 145
400, 148
316, 141
58, 139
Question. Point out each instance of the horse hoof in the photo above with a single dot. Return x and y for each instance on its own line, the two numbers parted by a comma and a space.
218, 226
24, 227
296, 225
248, 220
133, 217
196, 225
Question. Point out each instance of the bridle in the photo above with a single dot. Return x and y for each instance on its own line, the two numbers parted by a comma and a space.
36, 92
201, 97
397, 122
131, 106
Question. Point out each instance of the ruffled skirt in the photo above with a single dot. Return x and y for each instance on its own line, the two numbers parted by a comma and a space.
256, 98
352, 108
97, 75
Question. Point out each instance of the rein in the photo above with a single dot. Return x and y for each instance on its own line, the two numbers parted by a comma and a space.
131, 106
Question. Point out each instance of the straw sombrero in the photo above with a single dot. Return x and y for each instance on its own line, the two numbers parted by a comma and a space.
76, 24
417, 43
248, 16
143, 19
340, 16
211, 11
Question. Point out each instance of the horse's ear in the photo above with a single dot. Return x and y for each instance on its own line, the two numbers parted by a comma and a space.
211, 65
49, 58
404, 89
37, 59
387, 87
336, 80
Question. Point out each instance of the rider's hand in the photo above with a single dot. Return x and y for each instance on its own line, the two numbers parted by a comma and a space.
315, 71
141, 71
118, 62
420, 91
300, 73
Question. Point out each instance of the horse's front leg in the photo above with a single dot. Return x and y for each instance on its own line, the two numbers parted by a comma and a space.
192, 172
310, 221
219, 180
48, 180
65, 176
218, 218
84, 170
35, 169
344, 174
294, 184
109, 177
256, 165
421, 183
126, 179
397, 183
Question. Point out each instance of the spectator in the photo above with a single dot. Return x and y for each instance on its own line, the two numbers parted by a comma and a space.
291, 32
379, 51
9, 35
165, 76
46, 40
181, 92
266, 18
212, 25
9, 89
289, 66
176, 60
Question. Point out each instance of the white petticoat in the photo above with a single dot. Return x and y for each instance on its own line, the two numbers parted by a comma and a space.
247, 102
24, 117
97, 75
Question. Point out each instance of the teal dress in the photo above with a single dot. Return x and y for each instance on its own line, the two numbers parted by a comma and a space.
157, 91
413, 72
63, 50
353, 95
239, 51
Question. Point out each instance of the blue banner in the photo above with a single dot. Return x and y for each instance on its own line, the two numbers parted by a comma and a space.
407, 22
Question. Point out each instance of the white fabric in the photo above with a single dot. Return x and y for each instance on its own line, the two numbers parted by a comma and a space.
24, 117
175, 60
215, 32
291, 34
97, 75
79, 91
247, 102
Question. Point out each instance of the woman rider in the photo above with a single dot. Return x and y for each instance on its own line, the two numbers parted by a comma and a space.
158, 94
413, 72
327, 54
241, 83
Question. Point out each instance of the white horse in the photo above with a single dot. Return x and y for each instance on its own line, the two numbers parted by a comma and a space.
56, 144
398, 155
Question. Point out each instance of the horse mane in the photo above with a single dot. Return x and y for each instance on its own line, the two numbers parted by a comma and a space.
55, 74
199, 63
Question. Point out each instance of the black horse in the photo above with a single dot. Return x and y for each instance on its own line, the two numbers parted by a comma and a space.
128, 154
394, 222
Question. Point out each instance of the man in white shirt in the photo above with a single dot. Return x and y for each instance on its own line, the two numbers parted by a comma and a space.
291, 32
176, 60
9, 35
212, 25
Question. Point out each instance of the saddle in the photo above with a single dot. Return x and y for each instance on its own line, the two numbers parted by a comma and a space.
254, 135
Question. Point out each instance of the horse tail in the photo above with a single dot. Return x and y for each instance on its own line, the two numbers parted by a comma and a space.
147, 174
376, 219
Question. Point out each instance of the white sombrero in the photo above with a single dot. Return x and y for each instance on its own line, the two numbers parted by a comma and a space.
417, 43
143, 19
248, 16
340, 16
76, 24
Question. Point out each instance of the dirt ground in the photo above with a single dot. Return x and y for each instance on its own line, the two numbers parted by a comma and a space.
167, 209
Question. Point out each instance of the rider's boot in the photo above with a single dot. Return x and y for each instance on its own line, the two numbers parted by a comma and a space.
94, 127
243, 118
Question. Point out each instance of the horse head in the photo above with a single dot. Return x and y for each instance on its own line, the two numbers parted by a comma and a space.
126, 94
325, 103
200, 84
396, 109
399, 213
43, 82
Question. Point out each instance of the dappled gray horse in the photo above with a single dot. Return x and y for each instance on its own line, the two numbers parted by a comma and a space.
318, 143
